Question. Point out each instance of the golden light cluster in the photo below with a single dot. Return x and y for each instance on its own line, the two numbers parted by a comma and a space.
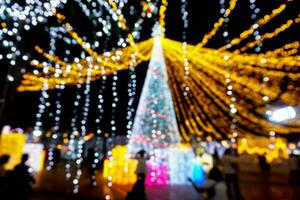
257, 79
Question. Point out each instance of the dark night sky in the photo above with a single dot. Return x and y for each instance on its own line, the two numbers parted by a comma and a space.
22, 107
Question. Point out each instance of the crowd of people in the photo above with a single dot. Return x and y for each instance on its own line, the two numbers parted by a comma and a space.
228, 167
17, 183
222, 181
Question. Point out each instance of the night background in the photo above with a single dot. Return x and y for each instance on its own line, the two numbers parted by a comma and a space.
21, 107
224, 149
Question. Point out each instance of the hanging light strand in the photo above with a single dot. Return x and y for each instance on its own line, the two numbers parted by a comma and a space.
83, 128
186, 64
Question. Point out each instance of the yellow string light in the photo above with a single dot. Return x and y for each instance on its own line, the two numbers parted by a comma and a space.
205, 110
162, 15
276, 32
207, 87
279, 150
264, 20
218, 24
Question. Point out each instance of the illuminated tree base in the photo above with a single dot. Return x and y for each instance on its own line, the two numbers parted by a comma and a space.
171, 166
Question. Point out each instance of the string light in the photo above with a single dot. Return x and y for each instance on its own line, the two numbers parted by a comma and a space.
255, 11
79, 154
206, 76
261, 22
74, 131
44, 103
272, 34
274, 149
229, 87
219, 23
286, 50
256, 34
131, 94
243, 74
171, 58
57, 114
162, 15
111, 139
41, 110
98, 120
186, 63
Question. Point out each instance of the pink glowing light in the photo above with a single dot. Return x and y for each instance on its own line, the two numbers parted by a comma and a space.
157, 174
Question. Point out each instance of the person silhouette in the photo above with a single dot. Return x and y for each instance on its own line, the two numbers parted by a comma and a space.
138, 190
56, 157
3, 161
3, 177
263, 164
22, 180
230, 167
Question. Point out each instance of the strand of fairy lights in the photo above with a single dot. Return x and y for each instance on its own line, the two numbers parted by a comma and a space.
111, 139
132, 82
232, 108
56, 127
229, 88
98, 121
257, 36
105, 30
44, 103
79, 154
132, 75
115, 100
138, 27
225, 33
54, 137
75, 133
186, 63
131, 97
131, 94
83, 122
74, 136
74, 130
255, 11
57, 115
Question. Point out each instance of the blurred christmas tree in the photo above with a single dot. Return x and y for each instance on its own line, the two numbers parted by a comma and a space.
155, 123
